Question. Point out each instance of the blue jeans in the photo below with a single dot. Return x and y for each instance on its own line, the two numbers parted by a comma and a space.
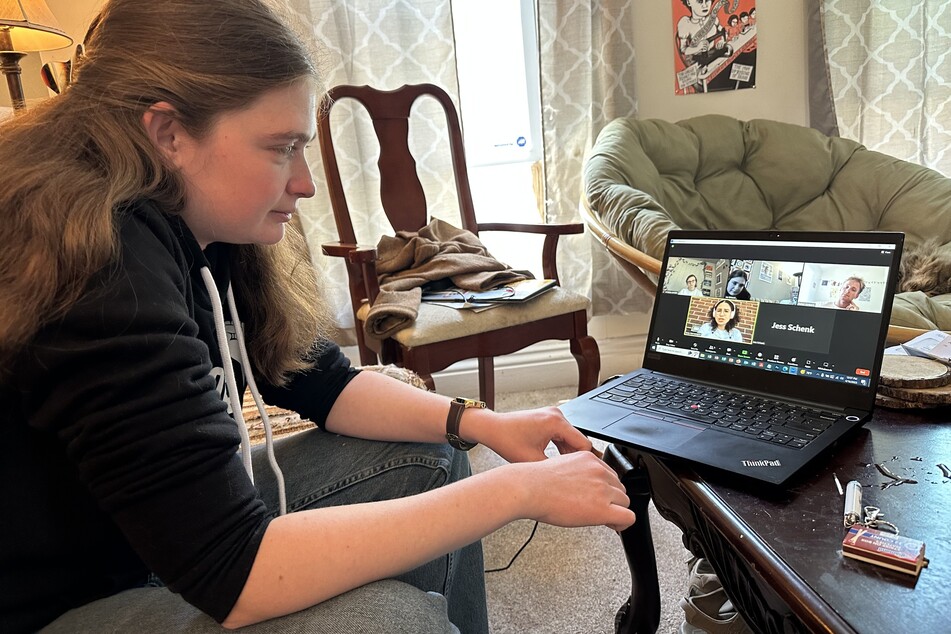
321, 470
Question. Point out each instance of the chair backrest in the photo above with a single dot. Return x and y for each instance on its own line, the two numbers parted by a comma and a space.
644, 177
401, 192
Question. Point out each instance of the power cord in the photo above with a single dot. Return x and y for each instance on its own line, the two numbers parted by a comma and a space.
519, 552
535, 527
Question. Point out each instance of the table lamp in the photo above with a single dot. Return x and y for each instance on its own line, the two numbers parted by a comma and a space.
25, 26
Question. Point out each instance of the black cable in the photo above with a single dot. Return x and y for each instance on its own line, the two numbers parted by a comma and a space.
535, 527
515, 556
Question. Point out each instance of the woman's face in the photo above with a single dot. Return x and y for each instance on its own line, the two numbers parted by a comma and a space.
691, 283
699, 8
735, 286
722, 313
245, 177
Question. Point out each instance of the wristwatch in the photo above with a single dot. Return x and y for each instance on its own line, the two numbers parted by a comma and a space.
456, 407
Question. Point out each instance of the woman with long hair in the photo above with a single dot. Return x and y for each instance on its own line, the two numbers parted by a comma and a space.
736, 285
724, 319
149, 274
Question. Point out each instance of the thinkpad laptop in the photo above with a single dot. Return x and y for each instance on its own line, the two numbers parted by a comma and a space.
764, 349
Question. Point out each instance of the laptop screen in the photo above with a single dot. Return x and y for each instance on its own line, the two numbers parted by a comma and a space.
800, 315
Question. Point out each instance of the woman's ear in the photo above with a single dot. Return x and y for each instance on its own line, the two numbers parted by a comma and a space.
164, 130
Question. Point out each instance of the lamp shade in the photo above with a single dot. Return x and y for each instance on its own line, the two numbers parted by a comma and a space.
29, 25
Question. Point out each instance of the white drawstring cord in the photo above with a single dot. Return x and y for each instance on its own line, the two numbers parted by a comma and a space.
268, 436
226, 365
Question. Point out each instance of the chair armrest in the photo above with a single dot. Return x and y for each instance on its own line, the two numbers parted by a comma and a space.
548, 230
356, 253
550, 246
361, 269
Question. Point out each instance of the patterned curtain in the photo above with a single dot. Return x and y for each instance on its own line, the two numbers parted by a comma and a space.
587, 79
385, 44
890, 72
821, 104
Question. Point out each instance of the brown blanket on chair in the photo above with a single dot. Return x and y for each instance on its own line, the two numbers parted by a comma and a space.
409, 260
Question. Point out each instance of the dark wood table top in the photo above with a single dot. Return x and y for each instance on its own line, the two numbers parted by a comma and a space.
796, 533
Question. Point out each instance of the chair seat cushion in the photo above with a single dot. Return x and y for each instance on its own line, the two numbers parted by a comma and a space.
439, 323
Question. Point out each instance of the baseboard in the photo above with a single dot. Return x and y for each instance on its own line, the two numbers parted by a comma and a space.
621, 340
545, 365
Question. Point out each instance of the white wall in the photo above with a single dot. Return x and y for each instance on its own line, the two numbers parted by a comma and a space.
74, 17
781, 88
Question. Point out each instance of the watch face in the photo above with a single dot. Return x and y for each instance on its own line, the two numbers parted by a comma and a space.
469, 402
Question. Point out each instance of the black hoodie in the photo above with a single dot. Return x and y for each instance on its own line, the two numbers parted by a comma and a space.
117, 453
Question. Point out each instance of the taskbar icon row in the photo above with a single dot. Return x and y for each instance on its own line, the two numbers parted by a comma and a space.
793, 370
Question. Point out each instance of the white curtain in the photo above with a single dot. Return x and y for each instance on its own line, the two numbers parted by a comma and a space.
587, 79
587, 66
889, 67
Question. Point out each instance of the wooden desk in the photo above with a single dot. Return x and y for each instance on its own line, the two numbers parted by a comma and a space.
778, 553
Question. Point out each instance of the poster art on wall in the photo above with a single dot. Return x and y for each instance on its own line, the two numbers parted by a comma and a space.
714, 45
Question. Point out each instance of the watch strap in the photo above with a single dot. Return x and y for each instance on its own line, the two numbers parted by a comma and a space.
456, 407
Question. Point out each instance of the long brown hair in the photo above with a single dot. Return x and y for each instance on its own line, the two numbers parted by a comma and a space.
70, 162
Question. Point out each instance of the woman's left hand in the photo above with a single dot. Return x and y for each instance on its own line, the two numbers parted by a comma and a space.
523, 436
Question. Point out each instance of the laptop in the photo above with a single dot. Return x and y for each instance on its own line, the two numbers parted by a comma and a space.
764, 349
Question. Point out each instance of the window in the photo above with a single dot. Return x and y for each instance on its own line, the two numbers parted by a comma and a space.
497, 57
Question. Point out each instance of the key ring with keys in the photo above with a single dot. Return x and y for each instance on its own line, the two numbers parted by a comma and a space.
873, 519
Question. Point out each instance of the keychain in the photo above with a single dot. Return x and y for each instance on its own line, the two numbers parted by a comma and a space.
873, 519
868, 516
872, 539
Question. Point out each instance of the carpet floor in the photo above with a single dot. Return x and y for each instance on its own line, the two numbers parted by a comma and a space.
569, 581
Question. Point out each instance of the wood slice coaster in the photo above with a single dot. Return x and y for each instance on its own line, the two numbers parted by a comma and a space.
913, 372
897, 403
928, 395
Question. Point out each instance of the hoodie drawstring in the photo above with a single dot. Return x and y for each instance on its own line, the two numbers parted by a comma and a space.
233, 396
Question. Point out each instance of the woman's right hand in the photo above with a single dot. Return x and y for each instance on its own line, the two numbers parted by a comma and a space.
575, 489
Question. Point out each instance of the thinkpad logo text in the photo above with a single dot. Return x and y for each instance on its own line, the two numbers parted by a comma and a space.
761, 463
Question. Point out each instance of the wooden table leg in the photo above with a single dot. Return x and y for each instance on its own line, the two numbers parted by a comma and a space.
642, 613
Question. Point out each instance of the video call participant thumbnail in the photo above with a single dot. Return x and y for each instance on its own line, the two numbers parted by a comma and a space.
736, 285
691, 287
724, 319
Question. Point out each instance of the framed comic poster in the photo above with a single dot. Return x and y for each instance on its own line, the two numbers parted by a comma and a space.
714, 45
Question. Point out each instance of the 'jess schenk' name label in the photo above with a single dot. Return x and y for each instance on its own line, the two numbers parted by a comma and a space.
793, 327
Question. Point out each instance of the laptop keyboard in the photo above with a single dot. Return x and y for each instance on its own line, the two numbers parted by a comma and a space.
751, 416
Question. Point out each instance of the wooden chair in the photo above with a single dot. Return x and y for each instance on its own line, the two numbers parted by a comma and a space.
440, 336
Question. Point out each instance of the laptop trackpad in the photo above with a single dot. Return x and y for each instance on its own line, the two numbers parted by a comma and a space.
648, 432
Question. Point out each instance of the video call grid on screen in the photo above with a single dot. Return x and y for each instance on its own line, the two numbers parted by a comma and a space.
806, 308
